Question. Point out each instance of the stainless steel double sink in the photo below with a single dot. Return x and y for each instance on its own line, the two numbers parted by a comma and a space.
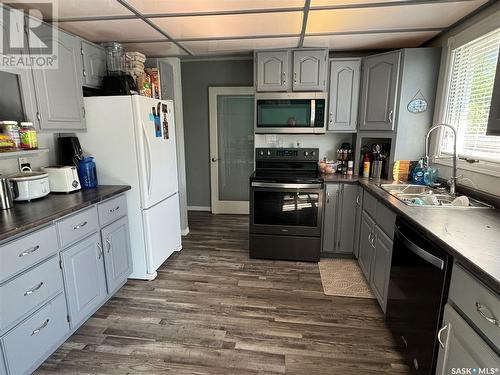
425, 196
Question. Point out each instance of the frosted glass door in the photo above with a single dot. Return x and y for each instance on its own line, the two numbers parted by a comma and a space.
232, 148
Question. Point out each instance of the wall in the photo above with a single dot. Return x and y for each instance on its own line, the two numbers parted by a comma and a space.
482, 180
197, 77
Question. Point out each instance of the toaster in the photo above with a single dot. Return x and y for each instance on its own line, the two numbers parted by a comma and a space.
62, 179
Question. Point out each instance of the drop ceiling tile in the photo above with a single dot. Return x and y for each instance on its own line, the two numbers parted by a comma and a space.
114, 30
193, 6
239, 45
394, 17
321, 3
75, 8
231, 25
155, 49
369, 41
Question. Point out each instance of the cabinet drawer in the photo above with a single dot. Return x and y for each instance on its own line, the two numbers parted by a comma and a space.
112, 209
20, 254
36, 337
29, 290
386, 220
370, 204
77, 226
466, 292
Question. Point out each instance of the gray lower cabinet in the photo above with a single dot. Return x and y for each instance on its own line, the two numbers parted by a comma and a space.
59, 91
329, 243
117, 255
343, 95
3, 370
84, 278
381, 266
272, 69
365, 255
462, 348
309, 69
35, 338
357, 223
346, 218
379, 91
94, 64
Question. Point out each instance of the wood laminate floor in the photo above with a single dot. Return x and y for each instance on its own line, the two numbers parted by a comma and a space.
212, 310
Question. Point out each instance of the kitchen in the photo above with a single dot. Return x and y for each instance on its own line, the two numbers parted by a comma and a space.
250, 187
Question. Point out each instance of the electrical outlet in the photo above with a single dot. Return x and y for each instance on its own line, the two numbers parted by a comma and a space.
23, 162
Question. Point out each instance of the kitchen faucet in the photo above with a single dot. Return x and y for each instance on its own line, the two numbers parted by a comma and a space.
453, 180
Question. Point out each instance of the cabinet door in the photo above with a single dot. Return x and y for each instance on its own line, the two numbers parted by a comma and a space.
329, 218
379, 91
462, 347
357, 224
59, 91
273, 70
381, 266
3, 370
117, 256
346, 218
309, 70
94, 64
344, 95
84, 278
366, 247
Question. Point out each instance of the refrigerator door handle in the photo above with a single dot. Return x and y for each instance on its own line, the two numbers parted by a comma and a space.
148, 158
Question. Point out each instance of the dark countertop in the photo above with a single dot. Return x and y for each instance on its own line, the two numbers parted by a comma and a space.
471, 236
27, 215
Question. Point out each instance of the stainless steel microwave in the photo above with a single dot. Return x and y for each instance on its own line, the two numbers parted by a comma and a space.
291, 112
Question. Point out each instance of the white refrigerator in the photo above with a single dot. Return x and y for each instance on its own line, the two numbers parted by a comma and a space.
132, 139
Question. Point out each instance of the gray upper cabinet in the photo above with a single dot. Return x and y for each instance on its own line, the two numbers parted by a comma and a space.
309, 69
272, 70
381, 266
346, 218
343, 95
329, 218
379, 91
84, 278
94, 64
117, 255
59, 91
494, 118
366, 245
461, 346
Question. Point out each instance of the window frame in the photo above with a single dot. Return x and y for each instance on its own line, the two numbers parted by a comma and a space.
483, 27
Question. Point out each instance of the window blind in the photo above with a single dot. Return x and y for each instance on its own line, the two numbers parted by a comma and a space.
470, 88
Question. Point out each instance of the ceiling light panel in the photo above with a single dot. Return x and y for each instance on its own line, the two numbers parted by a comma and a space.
155, 49
195, 6
114, 30
369, 41
322, 3
239, 45
231, 25
394, 17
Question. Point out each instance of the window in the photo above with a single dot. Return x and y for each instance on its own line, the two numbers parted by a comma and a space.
472, 74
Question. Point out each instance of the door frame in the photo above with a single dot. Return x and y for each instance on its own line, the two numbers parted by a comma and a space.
217, 206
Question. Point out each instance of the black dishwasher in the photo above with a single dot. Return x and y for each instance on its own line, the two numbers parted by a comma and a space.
418, 290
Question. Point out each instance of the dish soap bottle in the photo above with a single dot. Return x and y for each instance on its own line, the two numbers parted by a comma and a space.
418, 173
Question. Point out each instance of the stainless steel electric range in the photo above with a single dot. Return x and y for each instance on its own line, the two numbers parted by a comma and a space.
286, 198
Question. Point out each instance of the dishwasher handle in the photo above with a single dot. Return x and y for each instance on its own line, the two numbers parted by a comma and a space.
417, 250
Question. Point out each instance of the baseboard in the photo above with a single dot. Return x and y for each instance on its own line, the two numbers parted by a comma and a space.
199, 208
185, 232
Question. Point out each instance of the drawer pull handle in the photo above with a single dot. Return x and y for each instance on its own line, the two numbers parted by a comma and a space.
491, 318
81, 225
100, 250
108, 242
40, 328
441, 342
34, 289
29, 251
114, 209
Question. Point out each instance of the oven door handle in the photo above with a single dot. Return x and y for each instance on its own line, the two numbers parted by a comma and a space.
286, 186
417, 250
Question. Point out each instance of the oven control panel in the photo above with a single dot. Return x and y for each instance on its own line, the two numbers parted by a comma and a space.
291, 154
